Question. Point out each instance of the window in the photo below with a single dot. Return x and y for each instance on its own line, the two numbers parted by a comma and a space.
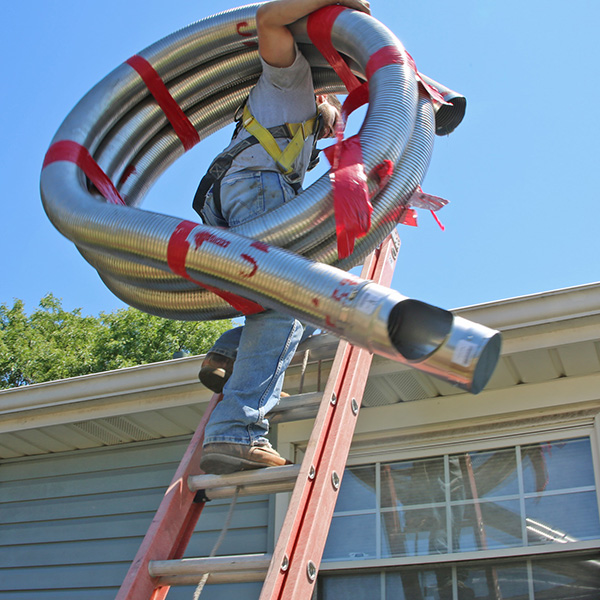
469, 525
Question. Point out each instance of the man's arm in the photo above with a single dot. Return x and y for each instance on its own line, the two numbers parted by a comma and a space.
275, 42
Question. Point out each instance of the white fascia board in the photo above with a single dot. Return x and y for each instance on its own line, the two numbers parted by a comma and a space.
543, 308
124, 391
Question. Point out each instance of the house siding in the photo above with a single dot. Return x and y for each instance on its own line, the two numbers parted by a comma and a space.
72, 522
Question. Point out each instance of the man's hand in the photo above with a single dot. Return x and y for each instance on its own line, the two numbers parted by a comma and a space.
361, 5
275, 42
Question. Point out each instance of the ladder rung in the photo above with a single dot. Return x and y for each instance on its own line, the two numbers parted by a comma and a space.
259, 481
294, 408
249, 567
216, 578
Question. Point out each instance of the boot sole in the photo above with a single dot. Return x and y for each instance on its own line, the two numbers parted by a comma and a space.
222, 464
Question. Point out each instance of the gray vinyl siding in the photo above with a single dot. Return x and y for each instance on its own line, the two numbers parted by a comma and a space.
71, 523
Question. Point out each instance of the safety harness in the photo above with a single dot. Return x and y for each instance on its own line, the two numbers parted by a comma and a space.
297, 133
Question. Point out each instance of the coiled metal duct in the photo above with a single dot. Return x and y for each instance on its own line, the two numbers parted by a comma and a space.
209, 68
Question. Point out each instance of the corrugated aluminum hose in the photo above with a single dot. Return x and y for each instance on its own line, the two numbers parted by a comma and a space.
163, 265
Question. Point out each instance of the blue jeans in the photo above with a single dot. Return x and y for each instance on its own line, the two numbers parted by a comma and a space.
229, 341
268, 340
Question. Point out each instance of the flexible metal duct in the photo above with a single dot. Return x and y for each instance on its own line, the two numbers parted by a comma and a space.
121, 137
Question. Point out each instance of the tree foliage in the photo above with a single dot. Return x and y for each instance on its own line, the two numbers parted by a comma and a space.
52, 343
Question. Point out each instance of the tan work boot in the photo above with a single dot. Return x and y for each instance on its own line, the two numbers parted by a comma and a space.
215, 371
222, 458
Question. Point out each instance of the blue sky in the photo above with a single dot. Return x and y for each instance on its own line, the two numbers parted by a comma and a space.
520, 172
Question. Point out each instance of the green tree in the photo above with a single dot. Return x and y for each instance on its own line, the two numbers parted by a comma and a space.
52, 343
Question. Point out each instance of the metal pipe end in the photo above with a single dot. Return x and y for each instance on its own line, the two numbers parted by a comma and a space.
448, 347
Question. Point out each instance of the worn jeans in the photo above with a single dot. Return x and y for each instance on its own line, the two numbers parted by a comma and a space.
268, 340
229, 341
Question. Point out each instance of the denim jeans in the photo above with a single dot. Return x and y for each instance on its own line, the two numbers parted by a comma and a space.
268, 340
229, 341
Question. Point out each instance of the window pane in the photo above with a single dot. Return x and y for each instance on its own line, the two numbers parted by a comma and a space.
351, 538
413, 482
484, 474
491, 525
357, 491
562, 518
506, 581
356, 587
566, 579
557, 466
414, 532
413, 584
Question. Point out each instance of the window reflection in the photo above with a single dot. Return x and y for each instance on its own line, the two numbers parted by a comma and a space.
358, 489
357, 587
419, 584
562, 518
352, 537
557, 465
491, 525
488, 474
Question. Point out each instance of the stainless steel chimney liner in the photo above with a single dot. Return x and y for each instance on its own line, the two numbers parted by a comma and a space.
208, 68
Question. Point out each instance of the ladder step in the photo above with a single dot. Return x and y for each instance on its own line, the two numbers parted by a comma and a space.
296, 407
188, 571
250, 483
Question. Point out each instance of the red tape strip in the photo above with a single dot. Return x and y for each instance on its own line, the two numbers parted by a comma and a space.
388, 55
319, 31
182, 126
351, 203
177, 251
70, 151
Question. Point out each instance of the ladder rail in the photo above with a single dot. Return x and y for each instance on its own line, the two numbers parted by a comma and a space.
298, 552
173, 524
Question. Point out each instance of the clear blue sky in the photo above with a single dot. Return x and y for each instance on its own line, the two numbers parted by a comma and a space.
521, 172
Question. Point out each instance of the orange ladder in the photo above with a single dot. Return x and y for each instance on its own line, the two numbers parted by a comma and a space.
291, 571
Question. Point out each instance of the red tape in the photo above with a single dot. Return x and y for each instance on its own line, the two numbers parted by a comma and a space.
182, 126
408, 217
177, 251
388, 55
351, 203
318, 28
70, 151
355, 99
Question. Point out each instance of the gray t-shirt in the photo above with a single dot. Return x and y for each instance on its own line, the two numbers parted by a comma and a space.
281, 95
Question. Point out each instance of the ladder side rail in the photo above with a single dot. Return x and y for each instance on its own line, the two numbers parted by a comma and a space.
173, 524
298, 552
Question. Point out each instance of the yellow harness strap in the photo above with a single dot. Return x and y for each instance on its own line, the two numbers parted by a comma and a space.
286, 157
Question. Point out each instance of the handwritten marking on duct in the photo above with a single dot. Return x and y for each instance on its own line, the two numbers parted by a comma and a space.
340, 295
242, 25
203, 236
127, 173
254, 265
260, 246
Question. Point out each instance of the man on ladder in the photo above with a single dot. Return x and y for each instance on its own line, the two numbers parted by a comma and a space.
262, 168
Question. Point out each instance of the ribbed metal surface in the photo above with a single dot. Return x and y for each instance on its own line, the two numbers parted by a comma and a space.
208, 69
